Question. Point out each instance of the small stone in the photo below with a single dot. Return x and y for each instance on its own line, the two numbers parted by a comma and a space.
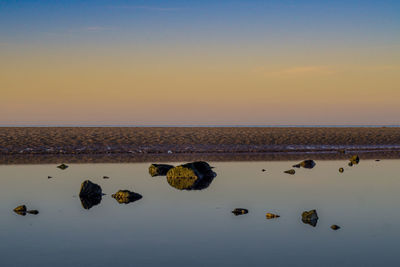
239, 211
62, 166
335, 227
272, 216
33, 212
21, 208
377, 160
350, 164
106, 177
49, 177
355, 159
308, 164
341, 170
263, 170
291, 171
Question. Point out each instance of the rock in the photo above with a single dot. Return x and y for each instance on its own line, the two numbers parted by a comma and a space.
350, 164
191, 176
239, 211
62, 166
341, 170
335, 227
21, 210
377, 160
90, 194
126, 196
310, 217
106, 177
272, 216
159, 169
49, 177
291, 171
354, 159
263, 170
33, 212
308, 164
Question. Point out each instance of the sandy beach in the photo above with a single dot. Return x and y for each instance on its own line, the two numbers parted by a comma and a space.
174, 143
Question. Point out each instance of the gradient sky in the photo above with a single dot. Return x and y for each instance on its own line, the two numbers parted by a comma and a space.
199, 62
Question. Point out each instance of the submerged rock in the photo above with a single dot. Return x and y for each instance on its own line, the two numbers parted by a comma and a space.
159, 169
308, 164
335, 227
354, 159
239, 211
191, 176
62, 166
271, 215
291, 171
310, 217
90, 194
341, 170
126, 196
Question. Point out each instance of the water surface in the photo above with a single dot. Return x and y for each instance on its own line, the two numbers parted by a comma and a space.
170, 227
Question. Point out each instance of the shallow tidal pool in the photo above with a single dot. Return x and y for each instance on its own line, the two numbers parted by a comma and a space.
171, 227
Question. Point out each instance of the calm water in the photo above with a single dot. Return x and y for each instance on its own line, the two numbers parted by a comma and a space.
169, 227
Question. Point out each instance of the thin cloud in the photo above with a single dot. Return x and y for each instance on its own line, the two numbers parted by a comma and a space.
150, 8
300, 70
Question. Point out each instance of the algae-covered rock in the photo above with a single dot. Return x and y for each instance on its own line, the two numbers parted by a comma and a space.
159, 169
271, 215
20, 210
291, 171
308, 164
341, 170
240, 211
126, 196
62, 166
90, 194
310, 217
354, 159
191, 176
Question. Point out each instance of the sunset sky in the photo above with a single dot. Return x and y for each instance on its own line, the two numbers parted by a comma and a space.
199, 62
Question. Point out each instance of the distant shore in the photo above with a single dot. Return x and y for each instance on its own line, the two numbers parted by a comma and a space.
133, 144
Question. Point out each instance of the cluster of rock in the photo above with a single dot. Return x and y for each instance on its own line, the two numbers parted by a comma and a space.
196, 175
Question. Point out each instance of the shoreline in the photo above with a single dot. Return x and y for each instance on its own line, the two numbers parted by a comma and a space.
139, 144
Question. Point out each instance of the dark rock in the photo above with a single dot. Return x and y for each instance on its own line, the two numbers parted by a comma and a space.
377, 160
62, 166
49, 177
335, 227
33, 212
263, 170
159, 169
310, 217
350, 164
239, 211
126, 196
191, 176
90, 194
106, 177
341, 170
271, 215
291, 171
354, 159
308, 164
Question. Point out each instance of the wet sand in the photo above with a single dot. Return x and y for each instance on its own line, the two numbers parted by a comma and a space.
136, 144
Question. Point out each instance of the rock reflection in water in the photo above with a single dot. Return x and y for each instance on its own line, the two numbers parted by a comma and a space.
89, 202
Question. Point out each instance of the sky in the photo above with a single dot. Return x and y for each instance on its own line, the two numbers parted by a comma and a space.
199, 62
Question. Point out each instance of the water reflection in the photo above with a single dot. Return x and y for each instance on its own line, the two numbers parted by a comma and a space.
89, 202
190, 183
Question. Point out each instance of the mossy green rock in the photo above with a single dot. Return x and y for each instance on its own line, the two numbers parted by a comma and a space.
291, 171
126, 196
159, 169
191, 176
310, 217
